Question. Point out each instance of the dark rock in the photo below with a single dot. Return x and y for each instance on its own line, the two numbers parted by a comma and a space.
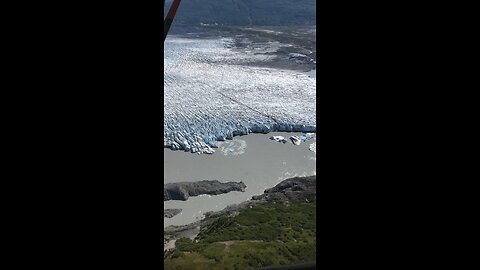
183, 190
169, 213
293, 189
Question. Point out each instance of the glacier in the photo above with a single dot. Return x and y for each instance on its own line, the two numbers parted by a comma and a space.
212, 94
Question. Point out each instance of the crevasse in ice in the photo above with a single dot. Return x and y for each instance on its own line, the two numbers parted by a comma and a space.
211, 95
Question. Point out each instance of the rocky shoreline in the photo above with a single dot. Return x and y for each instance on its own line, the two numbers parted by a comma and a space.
183, 190
296, 189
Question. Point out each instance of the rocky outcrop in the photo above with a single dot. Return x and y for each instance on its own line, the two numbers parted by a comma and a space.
169, 213
183, 190
297, 189
293, 189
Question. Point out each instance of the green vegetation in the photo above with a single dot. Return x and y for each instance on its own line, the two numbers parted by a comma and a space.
268, 234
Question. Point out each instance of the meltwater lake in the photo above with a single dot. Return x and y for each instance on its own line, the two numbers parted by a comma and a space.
256, 160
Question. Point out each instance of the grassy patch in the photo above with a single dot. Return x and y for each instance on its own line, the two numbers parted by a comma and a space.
270, 234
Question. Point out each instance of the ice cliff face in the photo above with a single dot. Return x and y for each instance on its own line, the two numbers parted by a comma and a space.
210, 96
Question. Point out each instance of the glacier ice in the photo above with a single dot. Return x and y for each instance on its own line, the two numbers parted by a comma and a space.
313, 147
278, 139
295, 140
210, 95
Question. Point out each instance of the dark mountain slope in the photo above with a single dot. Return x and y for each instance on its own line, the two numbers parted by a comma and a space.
246, 12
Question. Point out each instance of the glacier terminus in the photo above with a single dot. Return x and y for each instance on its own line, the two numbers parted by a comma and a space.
212, 94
